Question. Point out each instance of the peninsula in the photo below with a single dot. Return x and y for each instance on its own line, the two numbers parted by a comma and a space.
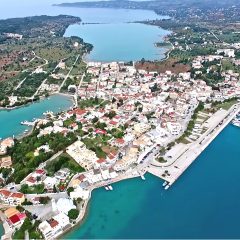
128, 119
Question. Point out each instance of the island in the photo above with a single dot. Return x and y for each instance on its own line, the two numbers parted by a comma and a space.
129, 118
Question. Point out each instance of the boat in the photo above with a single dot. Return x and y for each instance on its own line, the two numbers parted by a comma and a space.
143, 178
167, 187
236, 122
110, 187
27, 123
48, 113
165, 183
106, 187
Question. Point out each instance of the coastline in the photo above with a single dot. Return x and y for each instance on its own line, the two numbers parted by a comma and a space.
83, 214
21, 134
40, 99
181, 164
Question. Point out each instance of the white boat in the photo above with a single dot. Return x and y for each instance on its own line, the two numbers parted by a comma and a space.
106, 187
143, 178
27, 123
165, 183
236, 122
167, 187
110, 187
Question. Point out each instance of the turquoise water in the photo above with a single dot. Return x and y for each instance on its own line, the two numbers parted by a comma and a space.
113, 39
203, 203
10, 119
121, 41
10, 9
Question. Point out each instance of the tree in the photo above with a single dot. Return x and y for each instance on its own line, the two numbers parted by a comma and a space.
163, 151
73, 214
44, 200
69, 190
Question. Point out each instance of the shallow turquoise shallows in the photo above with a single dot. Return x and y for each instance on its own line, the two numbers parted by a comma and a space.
203, 203
10, 119
121, 41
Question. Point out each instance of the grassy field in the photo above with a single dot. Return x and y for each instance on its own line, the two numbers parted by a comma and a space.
226, 105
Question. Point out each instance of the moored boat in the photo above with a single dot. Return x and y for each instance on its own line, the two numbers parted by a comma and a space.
165, 183
167, 187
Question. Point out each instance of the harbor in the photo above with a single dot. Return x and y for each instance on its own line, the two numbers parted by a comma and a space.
216, 124
189, 197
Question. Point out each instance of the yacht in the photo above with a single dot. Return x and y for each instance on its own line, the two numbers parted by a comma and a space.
110, 187
143, 178
167, 187
236, 122
106, 187
165, 184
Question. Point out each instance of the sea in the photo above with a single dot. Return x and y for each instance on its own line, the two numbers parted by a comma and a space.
203, 203
10, 120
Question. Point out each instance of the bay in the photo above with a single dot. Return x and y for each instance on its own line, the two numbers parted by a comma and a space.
120, 41
10, 119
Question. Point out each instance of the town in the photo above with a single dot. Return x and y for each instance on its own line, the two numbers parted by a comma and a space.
126, 121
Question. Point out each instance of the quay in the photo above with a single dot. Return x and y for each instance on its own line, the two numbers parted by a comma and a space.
170, 172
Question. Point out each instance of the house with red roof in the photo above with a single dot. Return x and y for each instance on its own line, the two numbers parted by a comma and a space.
100, 131
17, 219
119, 142
11, 198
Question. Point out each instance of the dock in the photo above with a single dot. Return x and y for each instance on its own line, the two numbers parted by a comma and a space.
215, 124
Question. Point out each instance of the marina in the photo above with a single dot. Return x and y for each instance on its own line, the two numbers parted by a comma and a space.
236, 120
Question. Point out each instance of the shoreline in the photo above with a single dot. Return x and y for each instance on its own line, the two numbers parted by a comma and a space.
231, 113
181, 164
85, 211
30, 128
36, 101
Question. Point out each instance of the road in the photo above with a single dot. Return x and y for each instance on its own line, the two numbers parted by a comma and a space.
176, 168
78, 56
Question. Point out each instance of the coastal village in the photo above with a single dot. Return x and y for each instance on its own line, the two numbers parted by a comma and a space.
127, 119
125, 122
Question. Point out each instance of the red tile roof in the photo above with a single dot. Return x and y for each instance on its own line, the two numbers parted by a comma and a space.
53, 223
5, 193
120, 141
40, 171
17, 195
113, 122
14, 219
31, 180
100, 131
101, 160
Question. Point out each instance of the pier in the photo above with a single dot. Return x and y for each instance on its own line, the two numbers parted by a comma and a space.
215, 124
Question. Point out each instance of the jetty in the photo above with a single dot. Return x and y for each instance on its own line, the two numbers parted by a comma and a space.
215, 124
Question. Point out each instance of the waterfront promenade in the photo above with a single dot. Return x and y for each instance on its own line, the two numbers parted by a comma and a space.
215, 124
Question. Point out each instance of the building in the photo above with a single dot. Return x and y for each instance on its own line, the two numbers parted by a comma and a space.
5, 144
11, 198
46, 230
6, 162
83, 156
174, 128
